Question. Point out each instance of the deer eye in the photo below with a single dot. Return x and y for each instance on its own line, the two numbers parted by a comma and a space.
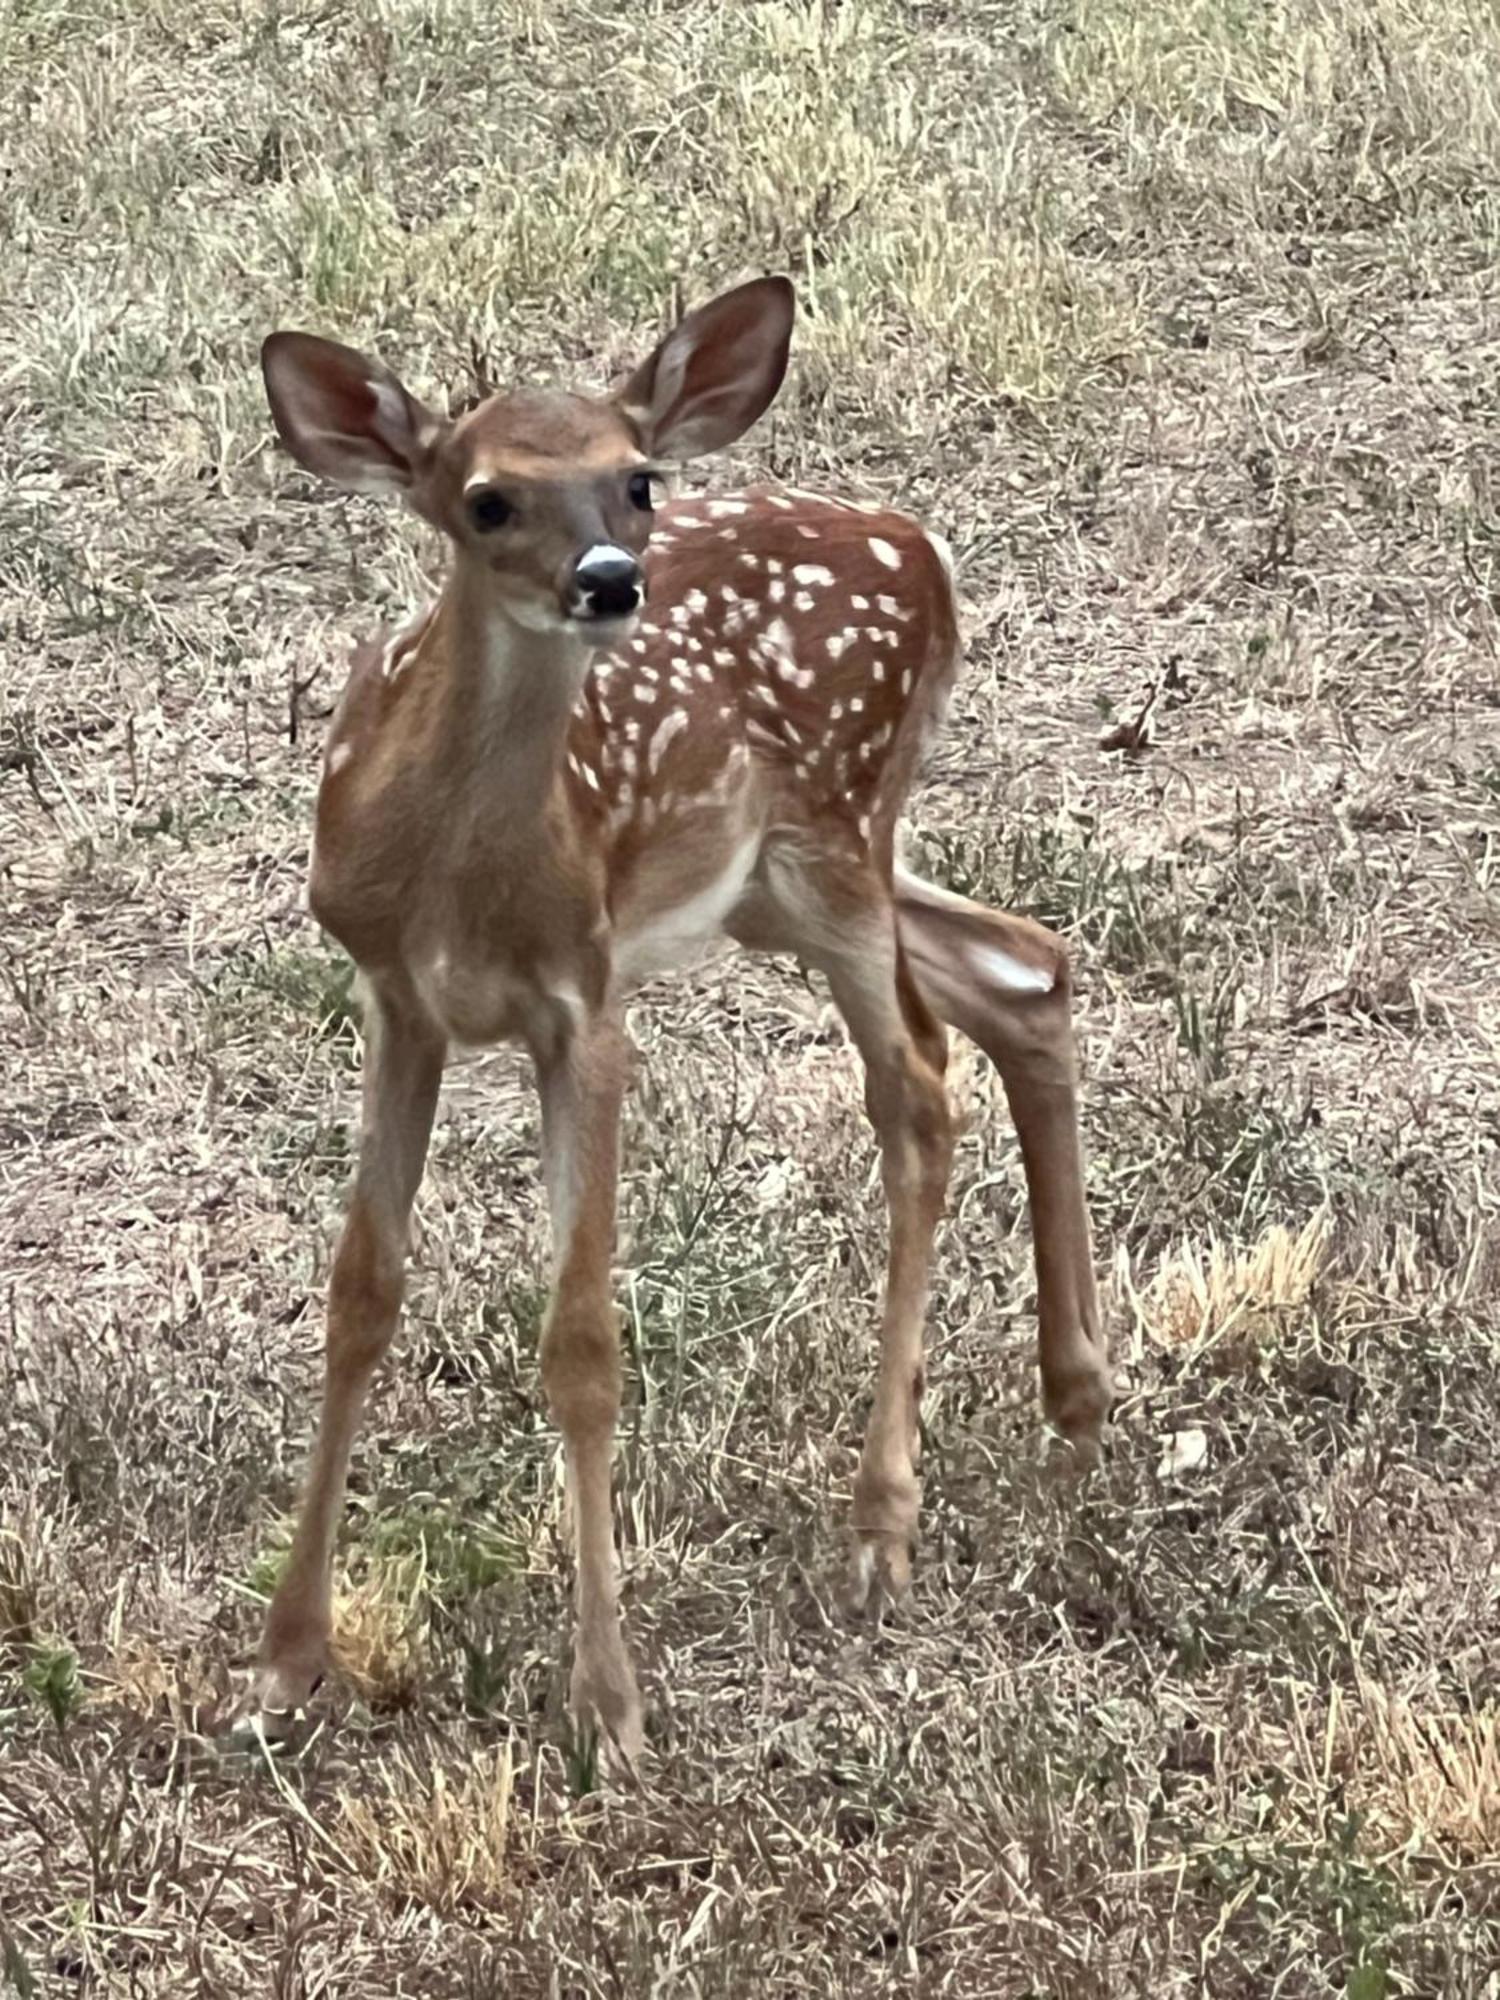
489, 510
640, 491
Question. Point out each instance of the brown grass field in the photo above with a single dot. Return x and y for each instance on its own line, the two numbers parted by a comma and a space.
1181, 322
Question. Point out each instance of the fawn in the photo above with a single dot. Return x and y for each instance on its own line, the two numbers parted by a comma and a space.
619, 732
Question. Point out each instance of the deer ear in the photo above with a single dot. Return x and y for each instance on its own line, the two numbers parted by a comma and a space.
345, 416
715, 372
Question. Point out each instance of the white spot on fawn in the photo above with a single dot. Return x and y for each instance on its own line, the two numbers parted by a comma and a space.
884, 553
339, 755
811, 573
669, 726
774, 646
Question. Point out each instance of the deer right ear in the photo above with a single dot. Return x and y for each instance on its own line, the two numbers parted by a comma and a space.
344, 416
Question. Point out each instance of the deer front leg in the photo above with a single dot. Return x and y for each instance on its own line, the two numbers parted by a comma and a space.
403, 1068
583, 1087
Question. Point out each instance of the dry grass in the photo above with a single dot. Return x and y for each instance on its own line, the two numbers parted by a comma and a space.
432, 1837
1180, 322
20, 1614
1214, 1294
378, 1633
1428, 1778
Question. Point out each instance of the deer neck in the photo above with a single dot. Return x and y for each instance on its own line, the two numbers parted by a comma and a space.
512, 694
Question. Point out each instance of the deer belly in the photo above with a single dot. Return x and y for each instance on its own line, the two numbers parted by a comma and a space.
675, 911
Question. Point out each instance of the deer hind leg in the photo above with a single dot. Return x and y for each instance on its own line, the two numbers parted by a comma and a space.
839, 918
1004, 982
905, 1054
403, 1069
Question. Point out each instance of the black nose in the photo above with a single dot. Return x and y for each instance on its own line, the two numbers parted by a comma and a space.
607, 583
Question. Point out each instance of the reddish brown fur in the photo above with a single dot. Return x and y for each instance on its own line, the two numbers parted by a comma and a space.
837, 755
832, 739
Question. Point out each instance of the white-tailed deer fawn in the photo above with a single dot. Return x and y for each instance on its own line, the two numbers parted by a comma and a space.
617, 734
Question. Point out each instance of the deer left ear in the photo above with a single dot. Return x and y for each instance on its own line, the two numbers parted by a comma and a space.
715, 372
